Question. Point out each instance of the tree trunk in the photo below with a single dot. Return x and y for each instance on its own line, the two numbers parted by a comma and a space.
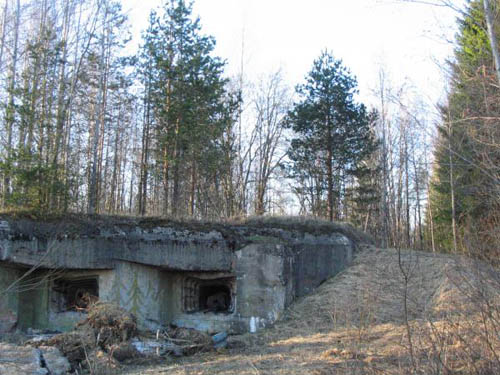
193, 189
166, 184
61, 108
93, 187
431, 220
10, 110
452, 189
418, 208
385, 187
4, 23
492, 36
330, 176
143, 175
407, 191
176, 183
115, 184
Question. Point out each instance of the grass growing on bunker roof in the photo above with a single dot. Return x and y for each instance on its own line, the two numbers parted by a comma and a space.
40, 224
307, 224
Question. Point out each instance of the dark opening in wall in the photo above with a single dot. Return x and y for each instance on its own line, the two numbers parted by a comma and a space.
74, 294
215, 295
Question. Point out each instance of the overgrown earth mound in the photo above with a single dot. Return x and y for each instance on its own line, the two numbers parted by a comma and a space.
356, 323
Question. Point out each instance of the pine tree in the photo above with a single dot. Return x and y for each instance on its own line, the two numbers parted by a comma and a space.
332, 136
186, 105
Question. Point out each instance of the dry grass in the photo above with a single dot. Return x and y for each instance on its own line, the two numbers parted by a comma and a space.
354, 324
111, 322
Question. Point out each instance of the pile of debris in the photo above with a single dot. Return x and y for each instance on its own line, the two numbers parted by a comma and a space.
181, 342
109, 336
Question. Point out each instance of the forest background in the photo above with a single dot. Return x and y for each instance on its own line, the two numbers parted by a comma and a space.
87, 126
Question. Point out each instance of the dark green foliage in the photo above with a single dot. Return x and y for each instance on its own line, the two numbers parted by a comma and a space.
332, 136
468, 139
187, 106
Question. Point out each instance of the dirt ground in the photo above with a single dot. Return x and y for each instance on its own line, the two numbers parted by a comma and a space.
355, 324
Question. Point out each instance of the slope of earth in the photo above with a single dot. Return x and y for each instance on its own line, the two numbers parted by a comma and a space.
357, 323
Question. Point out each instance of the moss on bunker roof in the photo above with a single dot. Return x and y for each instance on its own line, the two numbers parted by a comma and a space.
72, 224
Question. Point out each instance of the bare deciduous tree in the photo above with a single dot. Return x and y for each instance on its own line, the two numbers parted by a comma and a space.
271, 103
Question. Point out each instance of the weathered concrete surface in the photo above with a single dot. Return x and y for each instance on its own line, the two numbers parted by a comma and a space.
319, 258
196, 255
162, 247
262, 284
82, 253
143, 267
21, 360
9, 301
269, 277
54, 361
212, 323
137, 288
34, 302
25, 360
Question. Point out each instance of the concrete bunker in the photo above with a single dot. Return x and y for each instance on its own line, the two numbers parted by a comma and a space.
234, 278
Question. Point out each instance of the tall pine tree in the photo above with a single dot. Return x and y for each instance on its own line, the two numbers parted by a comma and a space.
332, 136
186, 108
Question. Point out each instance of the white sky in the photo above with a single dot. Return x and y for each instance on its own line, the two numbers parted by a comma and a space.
409, 40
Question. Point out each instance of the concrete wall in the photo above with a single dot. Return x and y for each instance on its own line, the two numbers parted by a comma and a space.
143, 271
262, 284
83, 253
34, 302
317, 259
161, 247
37, 301
99, 253
138, 289
171, 301
153, 295
269, 277
135, 287
8, 300
175, 255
